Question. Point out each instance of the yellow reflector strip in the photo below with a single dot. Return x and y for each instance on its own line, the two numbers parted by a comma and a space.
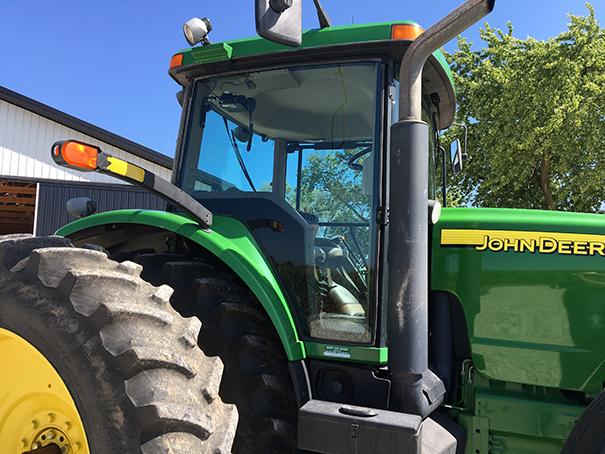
125, 169
470, 237
525, 241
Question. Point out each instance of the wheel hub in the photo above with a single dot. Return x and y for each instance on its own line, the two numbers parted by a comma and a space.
52, 437
37, 412
49, 433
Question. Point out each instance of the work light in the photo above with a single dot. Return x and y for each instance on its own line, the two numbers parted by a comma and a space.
196, 30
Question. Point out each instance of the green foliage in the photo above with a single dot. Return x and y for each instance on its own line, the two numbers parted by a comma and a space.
331, 190
536, 116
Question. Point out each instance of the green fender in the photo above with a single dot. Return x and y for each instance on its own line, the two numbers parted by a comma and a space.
231, 242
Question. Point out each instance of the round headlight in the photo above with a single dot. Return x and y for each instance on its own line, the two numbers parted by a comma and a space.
188, 34
196, 30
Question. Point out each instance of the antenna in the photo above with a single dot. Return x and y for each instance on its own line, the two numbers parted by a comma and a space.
324, 19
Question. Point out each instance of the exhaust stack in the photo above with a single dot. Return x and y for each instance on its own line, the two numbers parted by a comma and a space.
415, 389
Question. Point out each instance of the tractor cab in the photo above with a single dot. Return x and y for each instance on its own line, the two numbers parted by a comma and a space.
294, 144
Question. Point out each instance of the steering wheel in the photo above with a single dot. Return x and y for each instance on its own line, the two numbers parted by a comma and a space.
354, 165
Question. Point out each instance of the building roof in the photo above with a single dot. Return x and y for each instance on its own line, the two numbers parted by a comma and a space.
84, 127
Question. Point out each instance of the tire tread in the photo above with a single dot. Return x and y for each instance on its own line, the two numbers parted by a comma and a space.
148, 346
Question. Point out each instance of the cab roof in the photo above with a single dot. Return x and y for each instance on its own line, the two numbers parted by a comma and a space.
364, 39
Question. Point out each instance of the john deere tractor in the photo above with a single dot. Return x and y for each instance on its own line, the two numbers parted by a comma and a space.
304, 291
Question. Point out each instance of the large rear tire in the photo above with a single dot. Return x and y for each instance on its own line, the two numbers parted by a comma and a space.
238, 330
588, 436
130, 362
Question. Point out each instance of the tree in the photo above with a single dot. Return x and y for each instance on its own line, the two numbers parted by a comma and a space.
331, 190
536, 116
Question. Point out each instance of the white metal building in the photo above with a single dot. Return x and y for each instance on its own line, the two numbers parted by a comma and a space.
27, 131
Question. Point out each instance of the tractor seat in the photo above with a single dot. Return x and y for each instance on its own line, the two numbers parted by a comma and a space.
329, 255
343, 270
344, 301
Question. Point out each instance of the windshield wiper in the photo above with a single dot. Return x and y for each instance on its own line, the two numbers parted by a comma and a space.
238, 154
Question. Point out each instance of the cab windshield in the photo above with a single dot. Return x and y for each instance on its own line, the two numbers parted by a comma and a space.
291, 152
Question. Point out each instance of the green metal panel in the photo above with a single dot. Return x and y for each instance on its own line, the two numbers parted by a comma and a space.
533, 317
510, 418
331, 36
477, 428
231, 242
530, 418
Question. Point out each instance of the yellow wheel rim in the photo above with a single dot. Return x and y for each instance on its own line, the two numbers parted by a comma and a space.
36, 409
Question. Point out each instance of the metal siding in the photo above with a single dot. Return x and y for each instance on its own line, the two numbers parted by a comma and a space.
25, 141
3, 128
52, 197
84, 127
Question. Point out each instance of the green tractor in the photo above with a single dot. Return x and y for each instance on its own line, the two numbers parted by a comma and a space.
304, 290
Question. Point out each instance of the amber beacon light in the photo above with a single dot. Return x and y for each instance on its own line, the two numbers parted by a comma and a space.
406, 32
76, 155
176, 61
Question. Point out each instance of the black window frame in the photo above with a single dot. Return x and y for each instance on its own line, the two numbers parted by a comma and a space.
376, 294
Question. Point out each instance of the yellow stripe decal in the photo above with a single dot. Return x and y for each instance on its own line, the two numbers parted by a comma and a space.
125, 169
525, 241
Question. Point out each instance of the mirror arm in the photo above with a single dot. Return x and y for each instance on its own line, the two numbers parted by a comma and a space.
465, 127
322, 15
90, 158
137, 176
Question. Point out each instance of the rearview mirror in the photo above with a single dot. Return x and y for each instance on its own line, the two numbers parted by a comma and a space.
80, 207
456, 156
279, 21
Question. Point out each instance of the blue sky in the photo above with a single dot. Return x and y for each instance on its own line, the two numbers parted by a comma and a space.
106, 61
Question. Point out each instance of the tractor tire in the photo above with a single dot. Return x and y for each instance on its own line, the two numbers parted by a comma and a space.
138, 381
236, 329
588, 436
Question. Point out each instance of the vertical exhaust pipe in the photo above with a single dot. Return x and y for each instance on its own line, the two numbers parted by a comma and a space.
415, 389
